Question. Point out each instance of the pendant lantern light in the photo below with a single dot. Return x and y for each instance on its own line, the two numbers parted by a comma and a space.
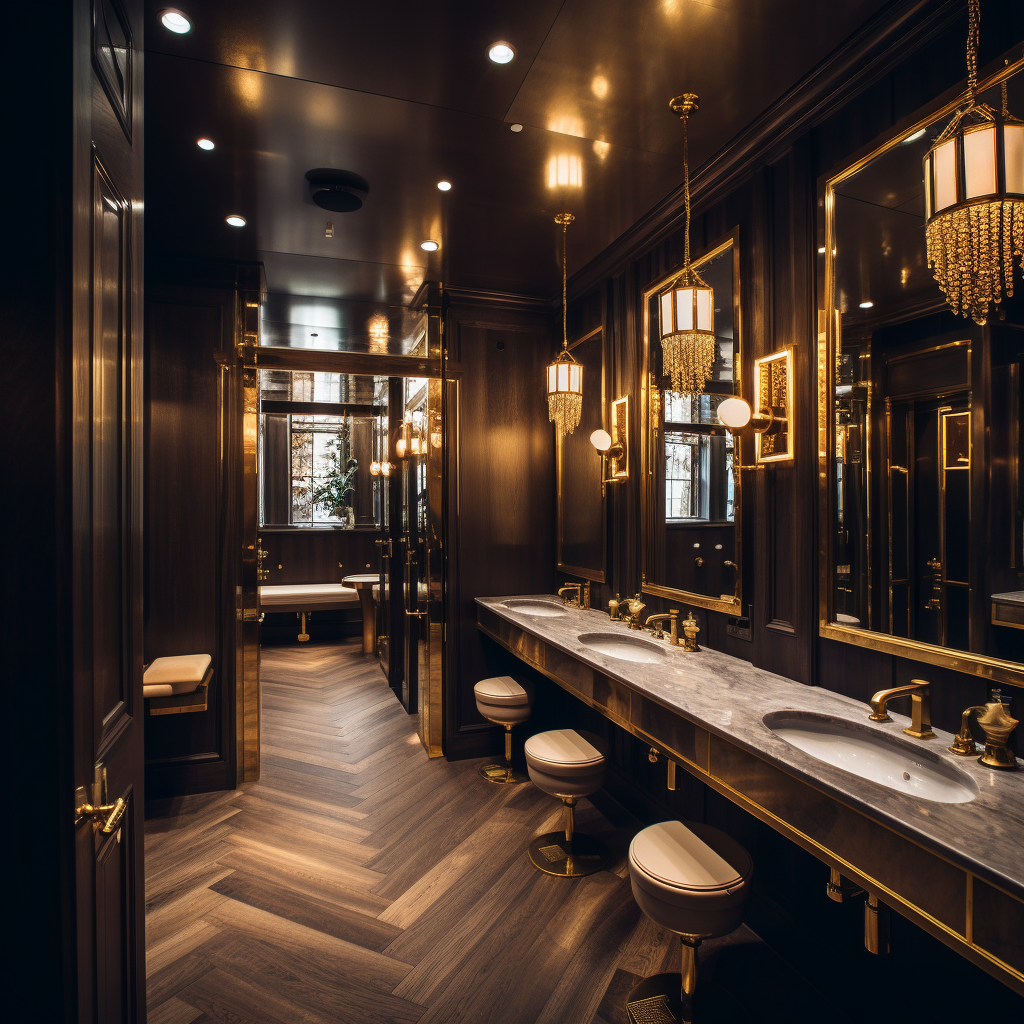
565, 375
688, 304
974, 197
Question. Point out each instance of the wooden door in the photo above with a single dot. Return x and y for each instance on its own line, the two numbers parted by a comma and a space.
106, 530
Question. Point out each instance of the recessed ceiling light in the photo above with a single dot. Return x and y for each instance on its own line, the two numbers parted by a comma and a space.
206, 144
444, 186
235, 221
174, 21
516, 127
866, 305
501, 52
821, 248
430, 245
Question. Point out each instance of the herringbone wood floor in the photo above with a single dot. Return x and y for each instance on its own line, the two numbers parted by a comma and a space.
358, 881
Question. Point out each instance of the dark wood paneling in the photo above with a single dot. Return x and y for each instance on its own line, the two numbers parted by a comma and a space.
318, 556
189, 600
501, 503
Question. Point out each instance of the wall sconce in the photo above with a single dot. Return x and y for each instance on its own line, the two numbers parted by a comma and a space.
614, 447
772, 424
410, 442
380, 468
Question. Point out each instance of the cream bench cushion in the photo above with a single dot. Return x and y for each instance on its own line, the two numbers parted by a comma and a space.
181, 674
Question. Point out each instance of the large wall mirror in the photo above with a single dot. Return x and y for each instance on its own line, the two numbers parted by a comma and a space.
582, 544
922, 495
690, 462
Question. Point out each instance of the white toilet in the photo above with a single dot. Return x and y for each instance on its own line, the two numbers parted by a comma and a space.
693, 880
505, 701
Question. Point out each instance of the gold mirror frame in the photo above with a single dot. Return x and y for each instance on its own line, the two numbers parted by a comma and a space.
594, 575
733, 605
994, 669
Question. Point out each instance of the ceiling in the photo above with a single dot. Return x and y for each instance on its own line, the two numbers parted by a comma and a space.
403, 94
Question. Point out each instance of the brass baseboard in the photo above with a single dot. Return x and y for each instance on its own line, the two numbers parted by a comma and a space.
585, 855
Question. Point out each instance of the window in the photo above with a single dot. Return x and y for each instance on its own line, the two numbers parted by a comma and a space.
699, 459
323, 479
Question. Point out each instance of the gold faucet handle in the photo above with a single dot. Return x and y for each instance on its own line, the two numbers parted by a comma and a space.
963, 742
690, 631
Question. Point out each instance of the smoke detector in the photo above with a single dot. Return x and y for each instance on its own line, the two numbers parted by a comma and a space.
337, 191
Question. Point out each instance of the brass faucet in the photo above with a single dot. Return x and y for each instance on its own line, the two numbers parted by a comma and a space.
920, 714
571, 587
633, 618
659, 632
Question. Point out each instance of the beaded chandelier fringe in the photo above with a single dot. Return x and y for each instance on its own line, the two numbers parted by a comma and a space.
971, 252
688, 359
565, 410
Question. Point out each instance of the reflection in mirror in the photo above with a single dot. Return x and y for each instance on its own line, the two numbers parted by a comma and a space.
691, 489
320, 435
920, 421
581, 506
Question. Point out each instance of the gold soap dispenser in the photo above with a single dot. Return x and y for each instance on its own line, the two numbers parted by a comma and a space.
690, 630
997, 724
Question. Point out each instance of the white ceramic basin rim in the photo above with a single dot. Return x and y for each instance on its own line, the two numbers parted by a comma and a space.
624, 647
541, 609
873, 756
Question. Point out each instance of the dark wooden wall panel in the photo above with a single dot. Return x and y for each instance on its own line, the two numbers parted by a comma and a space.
318, 556
188, 330
501, 502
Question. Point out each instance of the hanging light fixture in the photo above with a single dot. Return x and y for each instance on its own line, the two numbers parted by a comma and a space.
565, 375
688, 304
974, 197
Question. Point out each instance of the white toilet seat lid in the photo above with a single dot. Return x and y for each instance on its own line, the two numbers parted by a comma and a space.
563, 747
675, 856
501, 690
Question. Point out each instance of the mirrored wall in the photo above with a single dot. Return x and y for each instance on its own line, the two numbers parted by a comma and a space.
922, 506
690, 461
320, 435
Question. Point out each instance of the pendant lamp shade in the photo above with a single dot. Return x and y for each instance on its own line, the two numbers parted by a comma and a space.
974, 199
564, 375
688, 303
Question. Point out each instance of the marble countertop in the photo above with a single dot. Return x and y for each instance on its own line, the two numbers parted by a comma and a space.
1014, 596
730, 697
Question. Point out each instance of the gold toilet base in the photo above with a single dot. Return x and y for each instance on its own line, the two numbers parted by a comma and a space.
585, 855
657, 1000
501, 774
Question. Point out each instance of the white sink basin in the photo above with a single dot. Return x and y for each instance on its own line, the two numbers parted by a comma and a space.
625, 647
882, 759
542, 609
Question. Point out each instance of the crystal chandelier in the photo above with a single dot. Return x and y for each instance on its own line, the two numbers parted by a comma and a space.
688, 304
974, 198
565, 375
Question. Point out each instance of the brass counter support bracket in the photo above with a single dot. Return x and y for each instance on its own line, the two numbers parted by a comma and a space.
839, 891
876, 926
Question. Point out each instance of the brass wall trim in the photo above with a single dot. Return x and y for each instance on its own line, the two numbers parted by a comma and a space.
961, 941
967, 662
732, 605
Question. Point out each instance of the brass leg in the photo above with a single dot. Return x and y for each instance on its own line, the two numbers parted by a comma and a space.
570, 818
690, 944
502, 774
508, 752
303, 635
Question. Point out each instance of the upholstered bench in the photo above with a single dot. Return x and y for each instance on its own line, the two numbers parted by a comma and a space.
177, 684
305, 598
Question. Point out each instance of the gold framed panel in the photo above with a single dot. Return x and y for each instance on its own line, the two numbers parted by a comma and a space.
773, 388
595, 575
829, 337
650, 411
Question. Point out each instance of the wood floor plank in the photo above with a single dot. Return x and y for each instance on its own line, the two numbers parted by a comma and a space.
173, 1011
323, 915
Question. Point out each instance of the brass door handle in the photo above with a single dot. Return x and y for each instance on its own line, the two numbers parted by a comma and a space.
417, 615
109, 814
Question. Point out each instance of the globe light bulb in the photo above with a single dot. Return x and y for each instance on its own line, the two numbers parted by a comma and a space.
734, 413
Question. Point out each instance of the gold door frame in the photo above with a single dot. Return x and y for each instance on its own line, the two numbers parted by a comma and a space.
829, 336
252, 358
595, 575
649, 410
